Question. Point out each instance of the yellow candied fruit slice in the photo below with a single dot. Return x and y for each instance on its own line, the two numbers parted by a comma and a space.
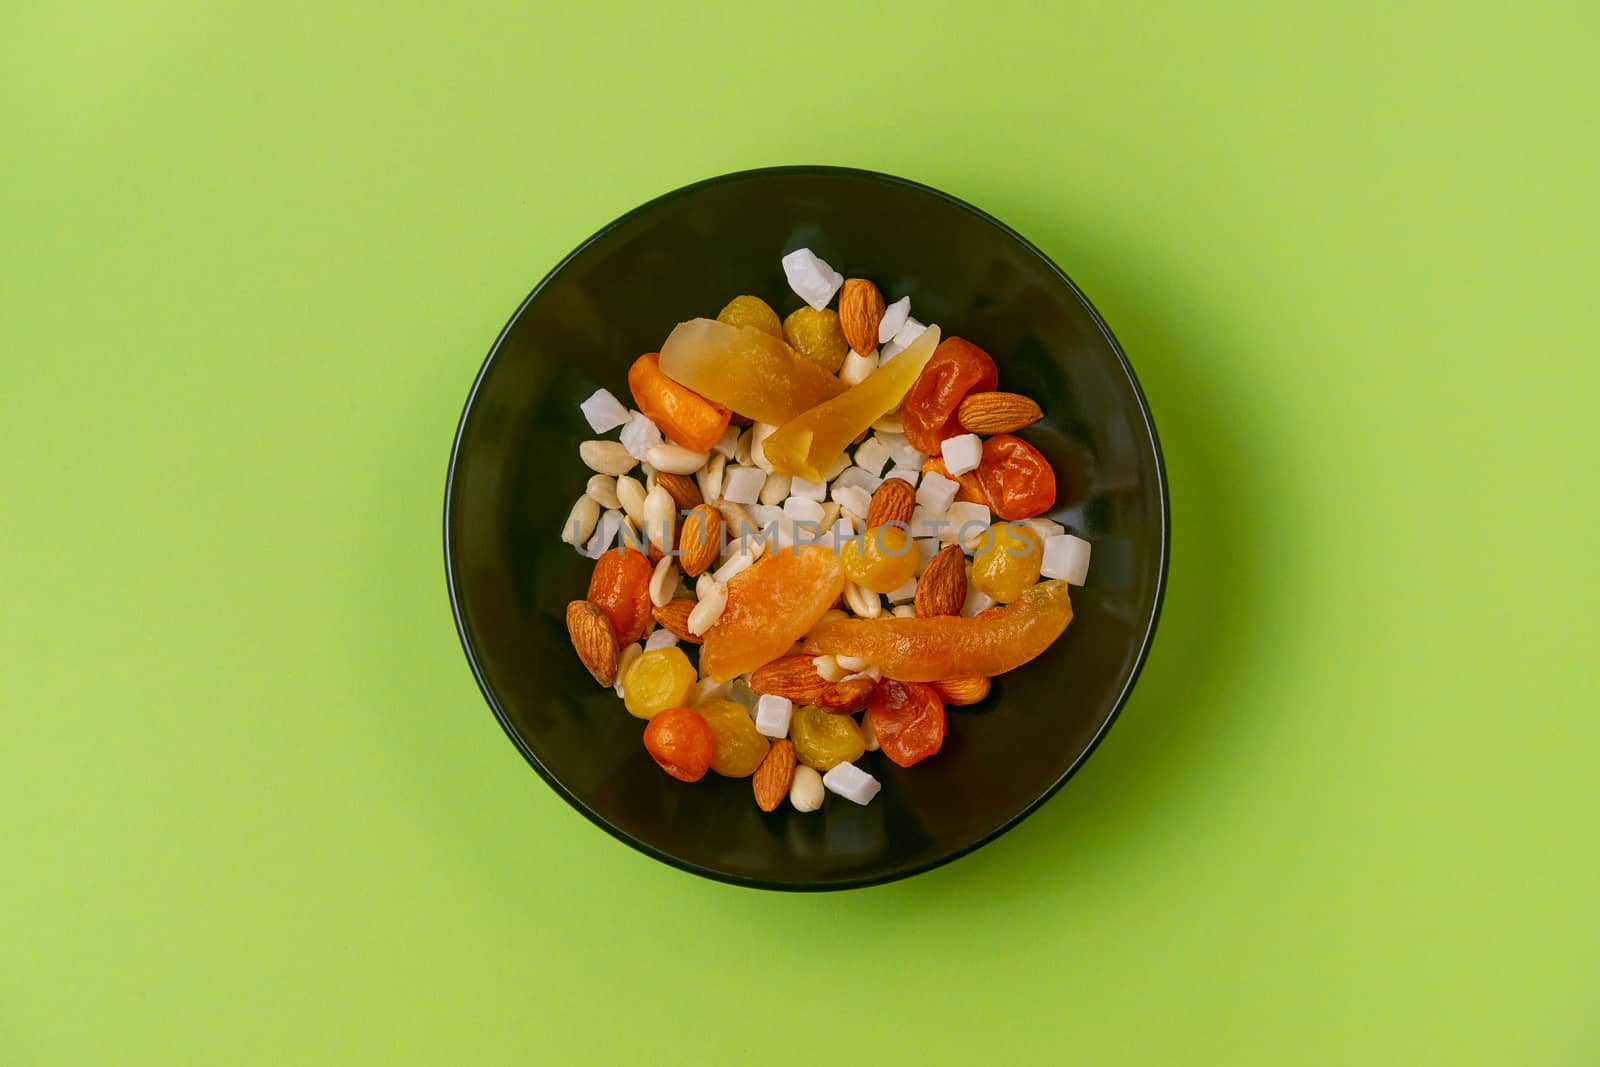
657, 680
818, 336
740, 748
808, 445
751, 311
881, 560
1010, 565
824, 740
754, 373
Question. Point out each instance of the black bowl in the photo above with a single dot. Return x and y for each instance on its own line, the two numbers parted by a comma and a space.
514, 474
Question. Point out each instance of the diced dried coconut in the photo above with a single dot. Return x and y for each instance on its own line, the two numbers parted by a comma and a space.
808, 490
927, 548
851, 782
901, 451
976, 601
1045, 528
888, 350
839, 466
962, 453
853, 498
856, 477
908, 332
776, 489
964, 513
604, 411
929, 524
811, 278
872, 456
729, 443
903, 593
706, 690
828, 667
765, 515
662, 638
803, 509
1066, 556
905, 474
894, 318
742, 485
857, 365
581, 521
937, 493
772, 715
605, 533
638, 434
842, 531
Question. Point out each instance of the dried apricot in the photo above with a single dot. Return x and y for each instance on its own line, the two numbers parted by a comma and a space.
770, 606
740, 748
620, 587
818, 336
751, 311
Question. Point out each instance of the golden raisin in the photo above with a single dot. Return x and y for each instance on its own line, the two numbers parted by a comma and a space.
1010, 563
818, 336
824, 740
657, 680
739, 747
751, 311
880, 560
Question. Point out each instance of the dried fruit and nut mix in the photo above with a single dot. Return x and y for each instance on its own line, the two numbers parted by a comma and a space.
775, 482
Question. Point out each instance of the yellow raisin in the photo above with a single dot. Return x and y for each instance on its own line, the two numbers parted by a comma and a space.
739, 748
824, 740
881, 560
818, 336
751, 311
1010, 565
657, 680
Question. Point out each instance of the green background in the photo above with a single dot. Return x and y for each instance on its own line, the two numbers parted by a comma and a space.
255, 810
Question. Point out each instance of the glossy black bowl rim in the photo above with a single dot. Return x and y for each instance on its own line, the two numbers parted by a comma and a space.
646, 847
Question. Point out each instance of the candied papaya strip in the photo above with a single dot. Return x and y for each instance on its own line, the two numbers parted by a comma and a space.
806, 446
930, 649
746, 369
771, 605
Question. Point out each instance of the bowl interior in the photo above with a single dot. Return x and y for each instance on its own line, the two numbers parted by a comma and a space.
515, 474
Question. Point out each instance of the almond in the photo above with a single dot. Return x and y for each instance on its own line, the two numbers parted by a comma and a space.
894, 501
962, 690
942, 589
685, 493
772, 779
794, 677
850, 695
699, 540
860, 311
997, 412
594, 640
673, 616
